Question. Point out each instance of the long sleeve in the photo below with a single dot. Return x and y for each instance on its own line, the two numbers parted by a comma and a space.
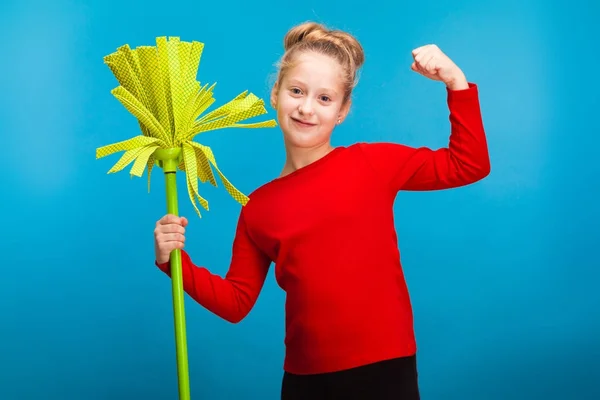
233, 296
464, 161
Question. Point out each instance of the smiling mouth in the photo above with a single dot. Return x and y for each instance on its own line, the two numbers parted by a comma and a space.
301, 123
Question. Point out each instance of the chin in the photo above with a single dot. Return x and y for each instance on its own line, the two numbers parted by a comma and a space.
305, 141
306, 138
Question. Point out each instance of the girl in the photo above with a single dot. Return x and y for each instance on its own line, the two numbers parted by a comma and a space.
327, 225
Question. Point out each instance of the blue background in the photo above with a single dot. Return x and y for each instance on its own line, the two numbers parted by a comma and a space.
503, 274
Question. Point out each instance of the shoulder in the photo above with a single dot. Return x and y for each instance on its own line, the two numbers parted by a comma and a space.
373, 147
274, 189
262, 196
382, 151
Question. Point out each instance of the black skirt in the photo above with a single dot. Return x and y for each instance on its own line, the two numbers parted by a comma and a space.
385, 380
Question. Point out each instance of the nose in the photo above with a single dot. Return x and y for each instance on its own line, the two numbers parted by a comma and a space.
305, 107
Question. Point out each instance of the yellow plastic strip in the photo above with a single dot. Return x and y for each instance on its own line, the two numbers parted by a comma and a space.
232, 105
150, 166
126, 159
165, 77
134, 142
232, 190
141, 112
205, 172
177, 93
228, 120
142, 160
153, 86
265, 124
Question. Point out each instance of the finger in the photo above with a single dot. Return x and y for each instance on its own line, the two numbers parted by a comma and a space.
173, 237
173, 228
419, 69
421, 64
167, 247
419, 50
426, 54
422, 51
173, 219
168, 219
418, 56
170, 241
162, 230
416, 51
415, 67
431, 65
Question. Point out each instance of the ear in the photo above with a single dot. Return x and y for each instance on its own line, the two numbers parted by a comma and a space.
274, 96
344, 111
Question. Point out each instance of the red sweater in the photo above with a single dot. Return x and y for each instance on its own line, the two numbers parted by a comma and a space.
329, 230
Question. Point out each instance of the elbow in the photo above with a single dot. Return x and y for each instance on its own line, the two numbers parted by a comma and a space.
472, 173
480, 167
230, 314
234, 319
484, 170
238, 306
236, 316
478, 175
479, 170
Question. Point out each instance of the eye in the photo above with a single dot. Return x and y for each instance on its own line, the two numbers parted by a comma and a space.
296, 91
325, 98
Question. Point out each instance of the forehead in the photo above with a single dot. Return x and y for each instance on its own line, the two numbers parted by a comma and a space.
316, 69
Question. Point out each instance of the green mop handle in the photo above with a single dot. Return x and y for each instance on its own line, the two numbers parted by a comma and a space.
169, 159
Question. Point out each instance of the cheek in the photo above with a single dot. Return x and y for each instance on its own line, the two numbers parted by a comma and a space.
286, 105
329, 116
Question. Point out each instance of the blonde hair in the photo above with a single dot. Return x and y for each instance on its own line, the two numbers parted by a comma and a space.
340, 45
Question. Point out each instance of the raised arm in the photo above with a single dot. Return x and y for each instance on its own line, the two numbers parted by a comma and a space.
465, 160
233, 296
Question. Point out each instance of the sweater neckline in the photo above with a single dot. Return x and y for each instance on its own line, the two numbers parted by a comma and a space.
310, 166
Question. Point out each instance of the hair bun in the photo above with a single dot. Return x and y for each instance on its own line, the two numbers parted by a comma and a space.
315, 32
308, 31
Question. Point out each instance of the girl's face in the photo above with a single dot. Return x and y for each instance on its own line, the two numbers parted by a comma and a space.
309, 100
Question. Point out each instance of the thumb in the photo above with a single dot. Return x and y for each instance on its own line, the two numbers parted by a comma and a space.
184, 221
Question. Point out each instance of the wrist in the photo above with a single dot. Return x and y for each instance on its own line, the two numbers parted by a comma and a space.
458, 82
161, 260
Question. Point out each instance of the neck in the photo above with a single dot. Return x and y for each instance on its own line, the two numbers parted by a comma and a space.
301, 157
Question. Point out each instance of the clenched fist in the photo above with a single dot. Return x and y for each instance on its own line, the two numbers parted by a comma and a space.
432, 63
169, 235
